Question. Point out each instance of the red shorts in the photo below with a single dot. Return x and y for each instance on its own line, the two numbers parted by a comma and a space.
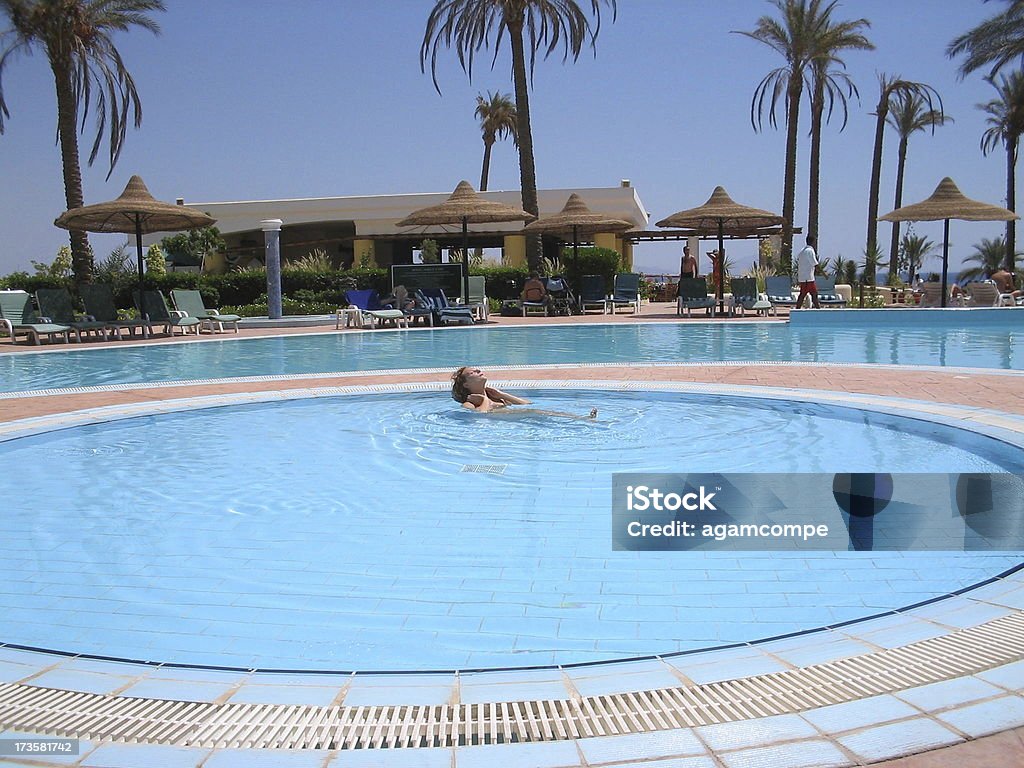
809, 287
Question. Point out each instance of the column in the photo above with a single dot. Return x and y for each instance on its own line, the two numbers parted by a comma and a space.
515, 251
272, 238
364, 250
627, 255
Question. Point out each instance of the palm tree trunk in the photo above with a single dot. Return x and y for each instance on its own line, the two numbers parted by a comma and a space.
876, 173
527, 172
67, 124
894, 241
789, 184
817, 109
486, 169
1011, 203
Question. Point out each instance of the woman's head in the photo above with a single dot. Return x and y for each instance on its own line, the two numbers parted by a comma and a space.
467, 380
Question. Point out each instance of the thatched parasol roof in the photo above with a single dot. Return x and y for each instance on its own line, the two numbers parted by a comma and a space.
948, 202
721, 211
464, 206
135, 211
576, 218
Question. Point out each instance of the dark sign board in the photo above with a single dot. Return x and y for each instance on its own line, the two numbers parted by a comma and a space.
447, 277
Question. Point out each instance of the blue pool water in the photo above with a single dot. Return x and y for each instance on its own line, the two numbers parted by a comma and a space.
343, 533
984, 345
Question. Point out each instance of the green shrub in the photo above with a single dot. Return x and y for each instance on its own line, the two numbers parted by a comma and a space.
591, 261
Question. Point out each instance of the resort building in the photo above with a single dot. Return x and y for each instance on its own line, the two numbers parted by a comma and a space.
352, 228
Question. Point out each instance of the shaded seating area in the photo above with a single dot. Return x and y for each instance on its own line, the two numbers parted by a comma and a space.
56, 304
98, 299
444, 312
153, 307
693, 294
626, 292
191, 303
17, 315
591, 294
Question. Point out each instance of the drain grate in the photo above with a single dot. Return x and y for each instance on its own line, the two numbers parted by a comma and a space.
270, 726
486, 469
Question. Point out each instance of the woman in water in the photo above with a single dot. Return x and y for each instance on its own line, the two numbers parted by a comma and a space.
469, 387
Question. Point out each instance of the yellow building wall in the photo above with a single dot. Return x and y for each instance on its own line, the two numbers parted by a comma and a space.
515, 251
362, 248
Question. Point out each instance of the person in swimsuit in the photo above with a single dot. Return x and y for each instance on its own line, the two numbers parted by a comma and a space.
469, 387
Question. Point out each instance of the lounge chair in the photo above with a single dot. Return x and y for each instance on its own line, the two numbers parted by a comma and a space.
400, 299
478, 297
153, 307
191, 303
18, 316
444, 312
827, 296
626, 292
780, 290
99, 303
982, 294
55, 303
931, 296
370, 310
745, 296
693, 294
592, 293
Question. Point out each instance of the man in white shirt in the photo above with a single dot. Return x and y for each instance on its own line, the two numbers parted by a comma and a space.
806, 261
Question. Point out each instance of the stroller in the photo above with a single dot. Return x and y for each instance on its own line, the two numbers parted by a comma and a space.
562, 300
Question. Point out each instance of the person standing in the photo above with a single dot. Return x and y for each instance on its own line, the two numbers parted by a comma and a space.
687, 265
806, 261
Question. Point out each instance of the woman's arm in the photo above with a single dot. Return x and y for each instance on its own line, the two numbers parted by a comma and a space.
504, 397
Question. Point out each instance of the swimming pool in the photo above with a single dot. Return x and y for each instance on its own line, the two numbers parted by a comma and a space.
395, 531
997, 344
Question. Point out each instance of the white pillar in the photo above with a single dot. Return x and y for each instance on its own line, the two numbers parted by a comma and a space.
272, 237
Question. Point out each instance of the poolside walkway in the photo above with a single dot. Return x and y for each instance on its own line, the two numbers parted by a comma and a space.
992, 391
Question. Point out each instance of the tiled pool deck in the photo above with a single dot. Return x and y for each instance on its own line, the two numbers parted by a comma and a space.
967, 713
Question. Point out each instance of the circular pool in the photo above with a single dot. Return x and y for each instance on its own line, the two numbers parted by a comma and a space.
400, 532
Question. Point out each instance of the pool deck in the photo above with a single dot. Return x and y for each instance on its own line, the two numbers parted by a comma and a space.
965, 711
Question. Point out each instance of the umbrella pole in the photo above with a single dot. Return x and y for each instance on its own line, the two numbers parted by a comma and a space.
138, 253
945, 259
465, 260
575, 243
721, 265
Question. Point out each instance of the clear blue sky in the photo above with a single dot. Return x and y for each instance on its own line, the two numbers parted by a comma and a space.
257, 99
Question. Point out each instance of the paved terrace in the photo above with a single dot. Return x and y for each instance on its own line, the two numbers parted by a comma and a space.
958, 718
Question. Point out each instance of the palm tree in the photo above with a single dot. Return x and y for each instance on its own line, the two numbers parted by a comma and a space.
76, 36
914, 249
796, 37
547, 25
830, 87
908, 116
889, 87
497, 115
1006, 124
996, 41
989, 255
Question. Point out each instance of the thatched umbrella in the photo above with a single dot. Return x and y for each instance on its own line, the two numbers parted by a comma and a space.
576, 218
135, 211
719, 214
465, 206
948, 202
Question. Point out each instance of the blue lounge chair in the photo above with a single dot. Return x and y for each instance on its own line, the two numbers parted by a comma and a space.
437, 302
191, 303
371, 311
55, 303
693, 294
626, 292
827, 295
18, 316
592, 293
745, 296
153, 307
780, 290
99, 303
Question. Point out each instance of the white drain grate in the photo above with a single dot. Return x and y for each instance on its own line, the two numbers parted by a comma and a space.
485, 469
270, 726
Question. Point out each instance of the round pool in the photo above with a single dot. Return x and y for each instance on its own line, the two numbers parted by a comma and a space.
400, 532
